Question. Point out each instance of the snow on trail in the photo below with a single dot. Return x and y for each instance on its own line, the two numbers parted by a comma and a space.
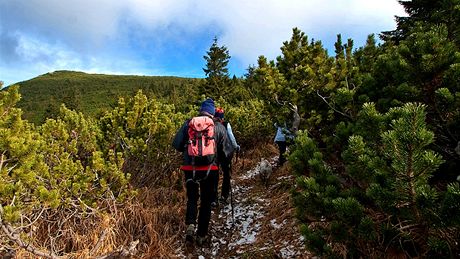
248, 230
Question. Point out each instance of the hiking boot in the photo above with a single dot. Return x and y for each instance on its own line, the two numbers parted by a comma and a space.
190, 232
201, 241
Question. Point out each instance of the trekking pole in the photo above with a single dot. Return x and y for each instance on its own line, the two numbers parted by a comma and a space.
237, 156
231, 196
242, 167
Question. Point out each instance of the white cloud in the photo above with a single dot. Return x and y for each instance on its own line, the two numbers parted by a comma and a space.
256, 27
40, 57
160, 14
72, 32
259, 27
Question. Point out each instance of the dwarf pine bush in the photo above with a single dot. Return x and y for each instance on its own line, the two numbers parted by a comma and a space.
385, 192
54, 173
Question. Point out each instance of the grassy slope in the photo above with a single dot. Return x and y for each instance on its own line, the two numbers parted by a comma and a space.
92, 93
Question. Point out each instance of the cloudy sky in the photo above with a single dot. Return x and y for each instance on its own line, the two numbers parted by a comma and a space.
170, 37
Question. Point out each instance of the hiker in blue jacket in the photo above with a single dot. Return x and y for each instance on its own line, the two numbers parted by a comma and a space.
199, 179
225, 163
283, 135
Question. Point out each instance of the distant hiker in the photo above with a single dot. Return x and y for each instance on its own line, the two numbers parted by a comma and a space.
282, 133
226, 162
285, 136
202, 142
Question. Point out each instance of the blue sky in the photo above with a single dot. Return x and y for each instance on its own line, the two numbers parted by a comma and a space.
170, 37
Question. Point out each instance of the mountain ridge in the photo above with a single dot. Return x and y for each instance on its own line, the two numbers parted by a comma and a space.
93, 93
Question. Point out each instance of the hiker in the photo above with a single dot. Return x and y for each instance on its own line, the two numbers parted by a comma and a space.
226, 162
284, 136
201, 141
282, 133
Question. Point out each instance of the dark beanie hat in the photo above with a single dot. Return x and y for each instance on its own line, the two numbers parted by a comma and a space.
219, 113
208, 106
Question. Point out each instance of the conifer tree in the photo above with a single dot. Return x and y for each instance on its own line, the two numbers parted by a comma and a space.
306, 68
216, 71
387, 173
445, 12
366, 56
293, 53
346, 77
422, 68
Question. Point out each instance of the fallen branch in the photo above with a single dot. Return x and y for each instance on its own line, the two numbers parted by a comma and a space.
8, 230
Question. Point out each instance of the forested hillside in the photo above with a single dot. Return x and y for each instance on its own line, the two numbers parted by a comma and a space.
93, 93
376, 158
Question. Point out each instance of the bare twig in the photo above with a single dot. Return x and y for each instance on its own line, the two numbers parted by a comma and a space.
10, 233
330, 106
296, 118
11, 168
28, 247
86, 206
35, 220
277, 101
2, 160
100, 241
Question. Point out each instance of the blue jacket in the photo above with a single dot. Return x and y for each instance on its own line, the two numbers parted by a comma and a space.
282, 133
231, 137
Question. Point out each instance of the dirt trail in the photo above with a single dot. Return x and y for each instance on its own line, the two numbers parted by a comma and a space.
262, 224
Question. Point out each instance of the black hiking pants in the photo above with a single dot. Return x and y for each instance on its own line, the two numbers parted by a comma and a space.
226, 170
282, 146
225, 166
202, 187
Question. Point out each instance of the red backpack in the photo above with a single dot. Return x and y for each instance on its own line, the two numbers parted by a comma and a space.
201, 143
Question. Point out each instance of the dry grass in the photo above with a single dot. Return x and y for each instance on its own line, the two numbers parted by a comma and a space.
155, 217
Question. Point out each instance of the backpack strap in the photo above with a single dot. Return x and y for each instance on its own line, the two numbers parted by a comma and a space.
210, 168
186, 140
